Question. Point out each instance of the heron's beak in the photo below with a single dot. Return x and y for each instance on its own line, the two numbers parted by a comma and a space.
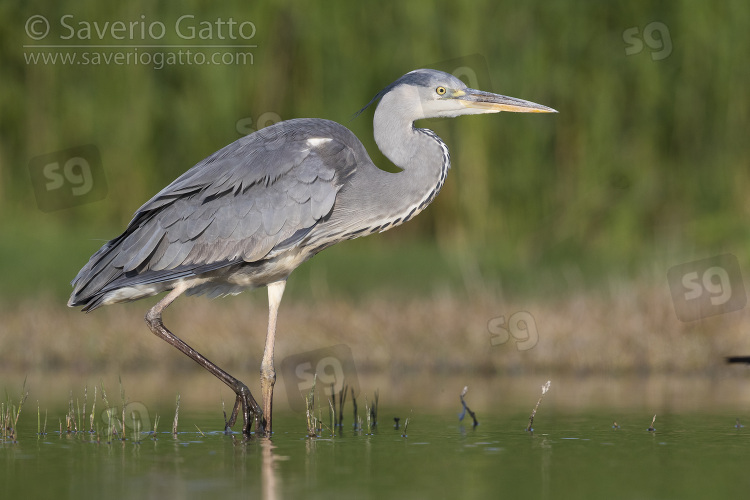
494, 103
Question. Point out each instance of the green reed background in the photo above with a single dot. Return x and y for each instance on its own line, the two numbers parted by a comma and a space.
645, 166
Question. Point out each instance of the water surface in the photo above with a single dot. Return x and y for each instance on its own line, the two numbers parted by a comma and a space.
569, 455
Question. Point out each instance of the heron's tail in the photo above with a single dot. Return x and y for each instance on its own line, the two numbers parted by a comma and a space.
90, 282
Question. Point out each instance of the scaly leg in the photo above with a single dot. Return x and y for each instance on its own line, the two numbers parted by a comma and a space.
267, 372
244, 398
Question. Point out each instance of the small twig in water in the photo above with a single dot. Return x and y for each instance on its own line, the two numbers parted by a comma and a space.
85, 400
9, 415
369, 417
357, 423
24, 395
396, 419
406, 424
310, 409
651, 428
332, 411
176, 416
111, 415
124, 403
106, 402
332, 404
70, 418
466, 409
93, 409
342, 400
545, 388
738, 425
136, 428
374, 409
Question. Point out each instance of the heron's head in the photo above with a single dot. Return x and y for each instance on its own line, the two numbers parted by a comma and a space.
428, 93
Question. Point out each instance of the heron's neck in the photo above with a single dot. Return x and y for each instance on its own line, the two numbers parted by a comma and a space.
407, 147
377, 200
422, 156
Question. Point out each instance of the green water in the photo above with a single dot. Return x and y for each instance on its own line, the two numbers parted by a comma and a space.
690, 455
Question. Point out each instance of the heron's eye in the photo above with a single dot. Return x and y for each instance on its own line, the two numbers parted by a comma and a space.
440, 90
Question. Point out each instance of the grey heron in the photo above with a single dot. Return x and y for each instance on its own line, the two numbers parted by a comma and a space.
252, 212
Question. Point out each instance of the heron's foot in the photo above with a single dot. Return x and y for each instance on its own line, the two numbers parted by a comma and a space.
251, 413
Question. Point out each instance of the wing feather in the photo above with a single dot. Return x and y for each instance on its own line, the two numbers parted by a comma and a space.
264, 191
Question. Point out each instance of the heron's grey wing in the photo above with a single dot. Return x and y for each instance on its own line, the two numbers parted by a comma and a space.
239, 204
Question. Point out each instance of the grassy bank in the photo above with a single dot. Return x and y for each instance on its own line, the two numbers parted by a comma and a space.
627, 328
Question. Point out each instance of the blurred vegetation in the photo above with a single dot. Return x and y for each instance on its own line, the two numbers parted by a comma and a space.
646, 165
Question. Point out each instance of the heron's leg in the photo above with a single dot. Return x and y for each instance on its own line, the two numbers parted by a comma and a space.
244, 398
267, 372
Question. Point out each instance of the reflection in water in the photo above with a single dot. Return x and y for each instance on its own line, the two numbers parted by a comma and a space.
269, 475
573, 455
546, 448
311, 470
